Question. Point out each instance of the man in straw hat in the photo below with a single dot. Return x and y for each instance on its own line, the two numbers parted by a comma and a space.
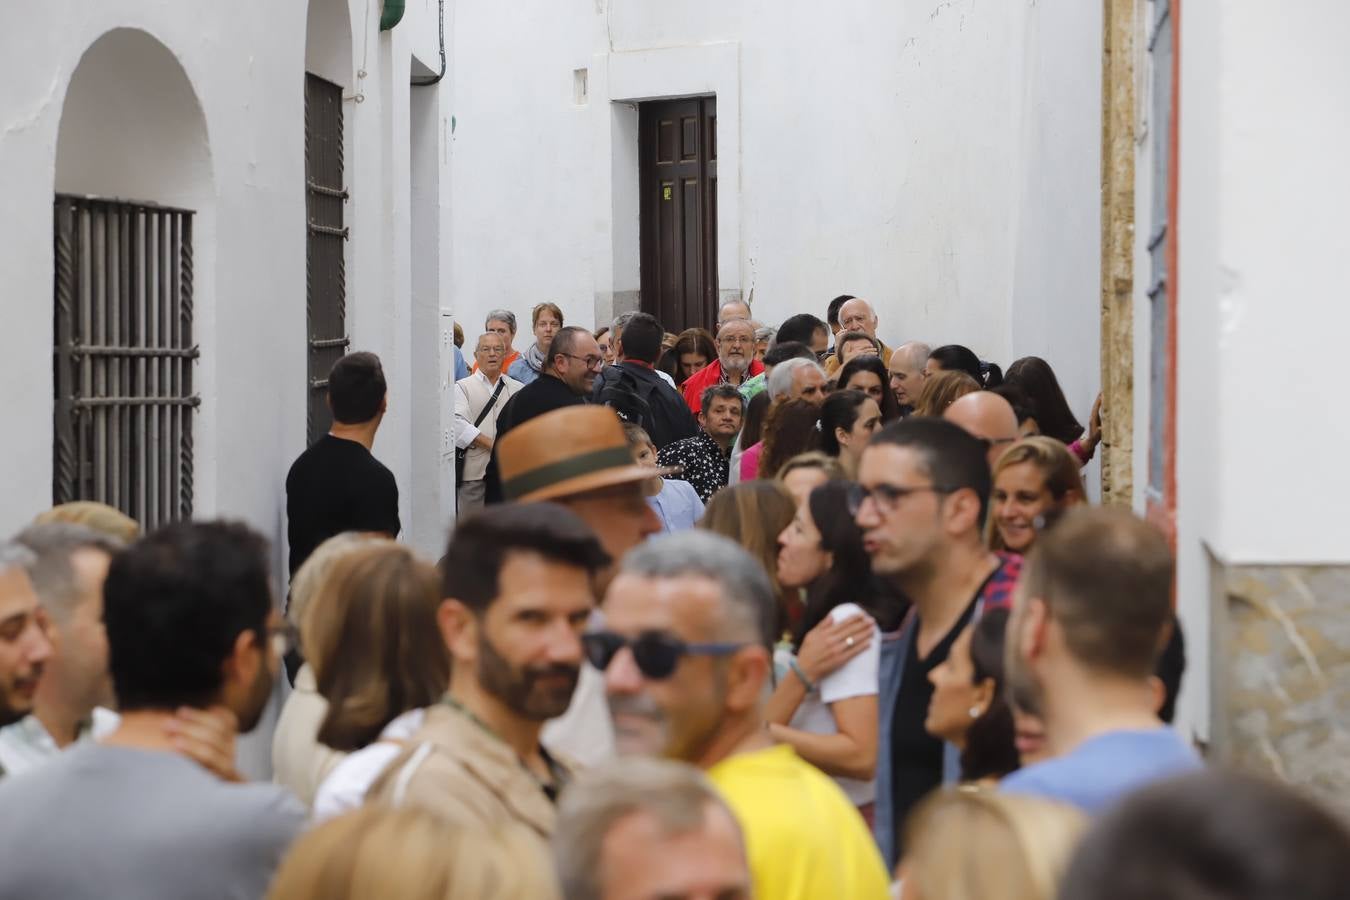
578, 457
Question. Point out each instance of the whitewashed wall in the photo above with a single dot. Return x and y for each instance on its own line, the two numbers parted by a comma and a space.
940, 158
203, 105
1262, 296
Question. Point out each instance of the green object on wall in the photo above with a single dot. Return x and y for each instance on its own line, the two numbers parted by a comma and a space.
392, 13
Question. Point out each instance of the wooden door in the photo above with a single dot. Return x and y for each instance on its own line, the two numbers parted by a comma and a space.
678, 181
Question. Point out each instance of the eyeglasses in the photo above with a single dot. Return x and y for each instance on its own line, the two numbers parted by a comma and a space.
590, 361
888, 496
655, 652
736, 341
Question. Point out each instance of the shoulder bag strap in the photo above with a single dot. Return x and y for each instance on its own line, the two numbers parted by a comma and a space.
501, 383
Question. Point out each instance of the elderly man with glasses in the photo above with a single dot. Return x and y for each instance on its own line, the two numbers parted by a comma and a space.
923, 488
735, 362
687, 654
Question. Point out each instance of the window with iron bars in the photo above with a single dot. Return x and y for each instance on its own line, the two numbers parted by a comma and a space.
325, 245
124, 357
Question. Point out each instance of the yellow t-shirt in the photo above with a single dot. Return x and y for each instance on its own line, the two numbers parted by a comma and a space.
805, 841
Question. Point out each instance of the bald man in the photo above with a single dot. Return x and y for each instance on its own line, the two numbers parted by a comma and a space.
732, 309
906, 365
857, 315
987, 416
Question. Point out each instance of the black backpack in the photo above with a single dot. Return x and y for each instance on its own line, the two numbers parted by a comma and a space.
627, 396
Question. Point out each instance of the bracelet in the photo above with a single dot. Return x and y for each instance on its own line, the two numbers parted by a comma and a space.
801, 676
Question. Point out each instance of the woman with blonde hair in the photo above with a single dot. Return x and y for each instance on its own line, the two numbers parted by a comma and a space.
414, 854
299, 761
753, 514
807, 471
961, 844
941, 390
1035, 481
547, 319
379, 660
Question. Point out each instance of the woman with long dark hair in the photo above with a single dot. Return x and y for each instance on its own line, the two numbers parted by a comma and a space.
847, 420
694, 350
825, 705
956, 358
790, 428
870, 375
968, 709
1037, 380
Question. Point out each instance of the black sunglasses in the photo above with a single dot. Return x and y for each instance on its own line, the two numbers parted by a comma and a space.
655, 652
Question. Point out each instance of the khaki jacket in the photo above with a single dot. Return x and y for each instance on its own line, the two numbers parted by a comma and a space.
457, 768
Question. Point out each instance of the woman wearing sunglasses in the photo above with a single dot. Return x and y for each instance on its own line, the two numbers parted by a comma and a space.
825, 704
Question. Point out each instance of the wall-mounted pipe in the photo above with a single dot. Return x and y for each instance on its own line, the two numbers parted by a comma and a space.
392, 13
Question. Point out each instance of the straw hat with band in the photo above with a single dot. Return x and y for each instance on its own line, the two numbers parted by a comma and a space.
568, 451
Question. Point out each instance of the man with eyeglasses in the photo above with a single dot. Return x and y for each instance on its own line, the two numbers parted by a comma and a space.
687, 656
574, 362
479, 401
518, 590
922, 493
988, 418
734, 364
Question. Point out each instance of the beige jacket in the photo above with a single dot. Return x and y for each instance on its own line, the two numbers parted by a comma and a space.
457, 768
471, 395
299, 761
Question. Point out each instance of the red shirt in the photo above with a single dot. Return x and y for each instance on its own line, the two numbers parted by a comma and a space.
709, 376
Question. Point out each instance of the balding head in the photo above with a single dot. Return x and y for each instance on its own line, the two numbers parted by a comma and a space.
732, 310
858, 315
987, 416
906, 365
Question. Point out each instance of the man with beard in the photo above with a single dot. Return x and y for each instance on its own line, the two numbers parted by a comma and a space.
687, 656
190, 623
1088, 624
922, 493
24, 647
74, 697
518, 592
735, 362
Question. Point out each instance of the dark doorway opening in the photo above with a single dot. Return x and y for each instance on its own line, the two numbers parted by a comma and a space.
678, 184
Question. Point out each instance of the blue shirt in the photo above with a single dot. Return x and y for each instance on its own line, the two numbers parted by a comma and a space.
677, 506
461, 368
1104, 769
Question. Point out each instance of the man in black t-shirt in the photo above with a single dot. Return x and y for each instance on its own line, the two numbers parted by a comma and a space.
923, 488
337, 485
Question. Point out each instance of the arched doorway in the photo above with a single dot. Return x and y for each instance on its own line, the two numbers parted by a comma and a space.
133, 203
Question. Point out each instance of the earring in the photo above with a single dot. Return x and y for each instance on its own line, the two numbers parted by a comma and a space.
976, 712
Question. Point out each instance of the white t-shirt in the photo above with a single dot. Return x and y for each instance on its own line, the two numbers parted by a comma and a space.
856, 678
345, 787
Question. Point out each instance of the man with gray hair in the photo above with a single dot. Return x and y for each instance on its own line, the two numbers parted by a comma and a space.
503, 322
797, 379
734, 364
857, 315
687, 656
74, 697
907, 375
732, 309
24, 648
648, 828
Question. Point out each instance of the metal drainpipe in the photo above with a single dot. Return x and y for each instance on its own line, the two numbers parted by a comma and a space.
392, 13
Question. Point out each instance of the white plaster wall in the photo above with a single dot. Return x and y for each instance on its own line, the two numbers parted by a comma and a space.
1261, 312
940, 158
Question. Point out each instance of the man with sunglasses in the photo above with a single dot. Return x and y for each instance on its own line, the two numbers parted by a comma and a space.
519, 589
988, 418
922, 493
686, 652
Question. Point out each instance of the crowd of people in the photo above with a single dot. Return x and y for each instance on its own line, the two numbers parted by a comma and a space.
775, 612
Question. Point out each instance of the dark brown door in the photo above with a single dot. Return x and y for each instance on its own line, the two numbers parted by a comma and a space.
678, 175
